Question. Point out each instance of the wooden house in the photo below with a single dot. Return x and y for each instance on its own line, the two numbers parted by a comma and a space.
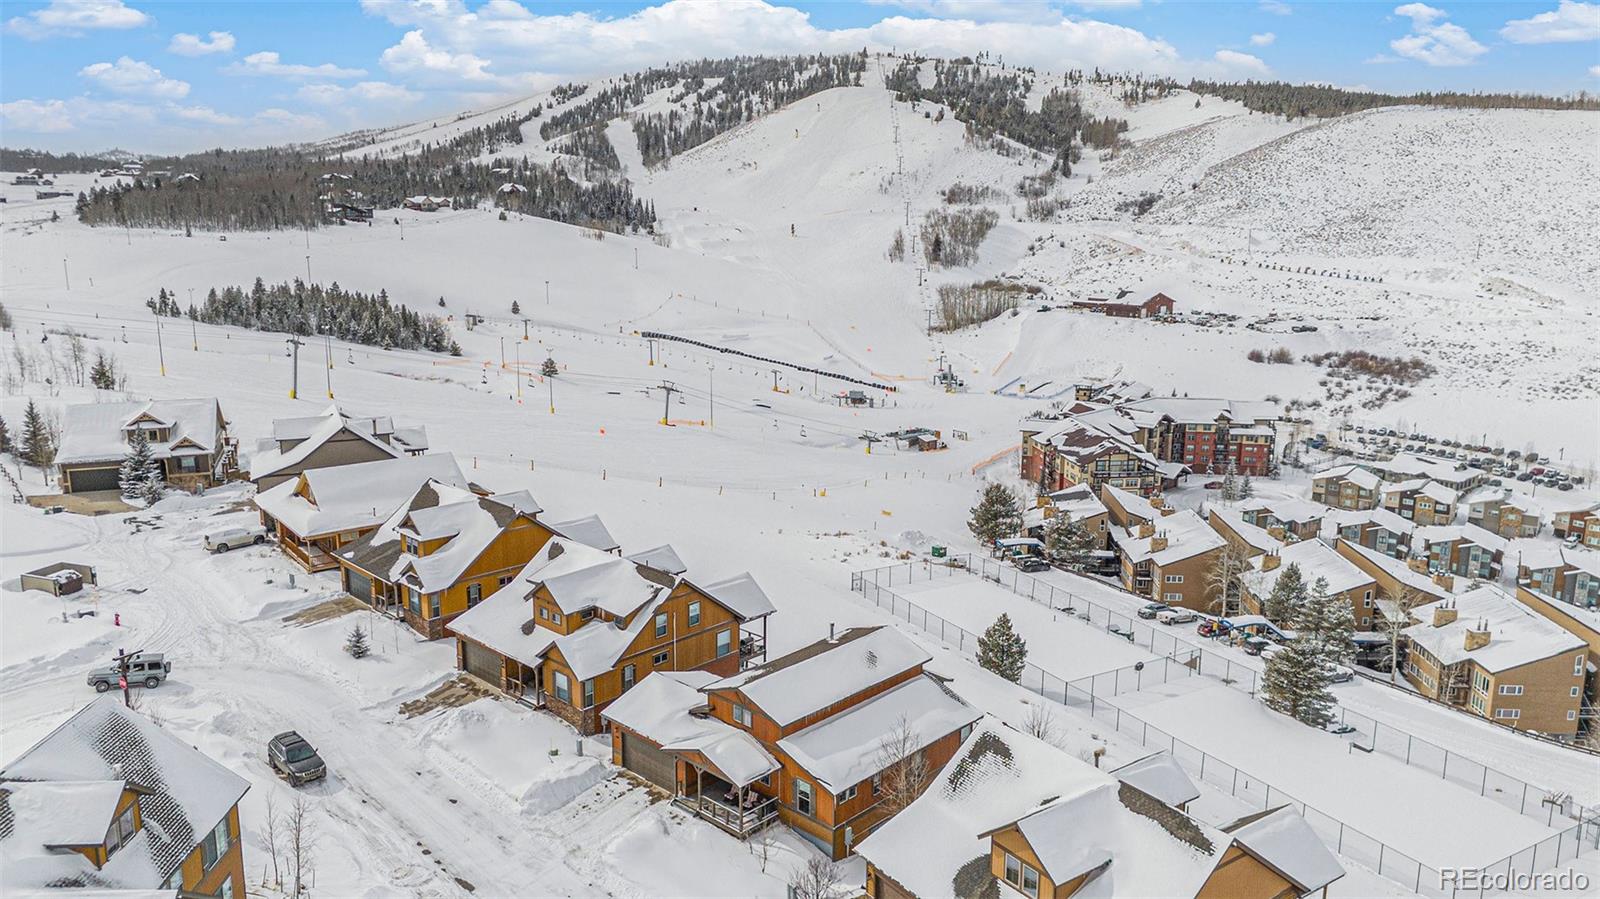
188, 439
1287, 520
577, 628
329, 440
1348, 487
822, 739
1503, 511
110, 802
1169, 559
1425, 501
1012, 815
441, 553
325, 509
1316, 561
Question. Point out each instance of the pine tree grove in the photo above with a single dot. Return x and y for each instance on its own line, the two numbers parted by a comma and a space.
297, 308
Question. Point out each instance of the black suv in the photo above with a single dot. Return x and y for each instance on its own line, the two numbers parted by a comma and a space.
293, 758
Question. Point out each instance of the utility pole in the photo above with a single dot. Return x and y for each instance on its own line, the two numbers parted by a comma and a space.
194, 334
650, 344
551, 383
518, 348
124, 659
524, 329
502, 354
294, 350
161, 353
65, 274
775, 380
308, 269
547, 292
711, 377
328, 350
668, 389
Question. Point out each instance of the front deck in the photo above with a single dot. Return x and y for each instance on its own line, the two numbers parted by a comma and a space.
740, 812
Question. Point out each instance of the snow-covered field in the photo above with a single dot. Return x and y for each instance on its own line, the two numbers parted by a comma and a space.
774, 481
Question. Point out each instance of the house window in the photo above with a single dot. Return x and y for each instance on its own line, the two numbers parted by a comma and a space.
563, 686
414, 600
741, 715
544, 613
1512, 714
659, 659
1174, 579
724, 643
474, 594
433, 605
966, 731
694, 613
627, 677
1173, 597
1572, 715
587, 614
121, 831
661, 624
1510, 689
1022, 876
227, 889
1574, 693
503, 579
1366, 620
188, 464
555, 617
215, 844
588, 693
846, 796
877, 784
1577, 666
803, 800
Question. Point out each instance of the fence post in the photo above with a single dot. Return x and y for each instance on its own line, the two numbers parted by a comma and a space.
1340, 847
1235, 789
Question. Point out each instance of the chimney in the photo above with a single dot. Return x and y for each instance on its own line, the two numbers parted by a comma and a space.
1158, 542
1168, 510
1277, 532
1270, 561
830, 632
1156, 501
1477, 638
1147, 529
1446, 580
1444, 614
1419, 564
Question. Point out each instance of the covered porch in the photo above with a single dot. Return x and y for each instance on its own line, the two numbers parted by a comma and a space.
741, 811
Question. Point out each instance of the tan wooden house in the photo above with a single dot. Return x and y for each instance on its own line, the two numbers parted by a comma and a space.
109, 801
1169, 559
188, 439
577, 628
799, 740
331, 439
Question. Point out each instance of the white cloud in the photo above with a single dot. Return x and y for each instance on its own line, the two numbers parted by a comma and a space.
1263, 39
376, 93
271, 64
203, 114
130, 76
415, 57
1276, 7
195, 45
1108, 4
1568, 22
58, 116
296, 125
1594, 71
1236, 63
986, 10
71, 18
1433, 40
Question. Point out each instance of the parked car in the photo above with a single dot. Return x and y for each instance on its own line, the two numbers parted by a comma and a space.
1336, 727
220, 541
1175, 616
294, 759
1210, 627
1152, 609
1213, 485
1342, 675
1564, 485
145, 669
1255, 645
1032, 563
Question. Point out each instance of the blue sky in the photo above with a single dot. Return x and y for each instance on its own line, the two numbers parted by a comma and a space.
89, 75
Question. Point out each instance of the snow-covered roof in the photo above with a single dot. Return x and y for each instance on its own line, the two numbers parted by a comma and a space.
1283, 841
1078, 502
1408, 465
661, 558
1286, 508
814, 677
1086, 437
1506, 497
846, 749
1517, 634
658, 708
185, 795
1396, 569
1389, 521
272, 461
579, 577
353, 497
1355, 474
1254, 536
467, 522
1159, 775
64, 812
1315, 560
95, 432
1535, 553
1187, 535
589, 531
742, 596
1205, 410
1133, 504
1450, 533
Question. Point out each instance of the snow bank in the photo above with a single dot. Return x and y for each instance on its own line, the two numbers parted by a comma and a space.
560, 783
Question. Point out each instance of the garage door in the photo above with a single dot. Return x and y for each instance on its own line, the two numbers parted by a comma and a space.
358, 585
482, 663
86, 479
649, 762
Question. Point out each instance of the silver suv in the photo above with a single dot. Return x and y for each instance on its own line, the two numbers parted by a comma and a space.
145, 669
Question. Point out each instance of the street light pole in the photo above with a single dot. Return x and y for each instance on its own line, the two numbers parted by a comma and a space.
547, 292
161, 353
294, 350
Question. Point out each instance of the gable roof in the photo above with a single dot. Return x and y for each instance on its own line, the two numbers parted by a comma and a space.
1288, 509
661, 558
589, 531
469, 523
93, 432
1517, 634
1395, 569
1315, 560
814, 677
846, 749
1283, 841
64, 812
1187, 535
1355, 474
270, 462
659, 709
352, 497
1159, 774
187, 793
741, 595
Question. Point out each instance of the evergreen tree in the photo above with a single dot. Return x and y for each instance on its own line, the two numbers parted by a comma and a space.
998, 514
1329, 622
1288, 594
1002, 650
5, 318
1247, 489
515, 309
1230, 487
356, 643
5, 436
1067, 541
549, 368
140, 474
37, 448
1298, 675
104, 374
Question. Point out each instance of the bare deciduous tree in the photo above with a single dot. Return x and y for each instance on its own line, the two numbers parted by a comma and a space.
1400, 602
300, 846
818, 878
1222, 578
274, 839
902, 767
1041, 723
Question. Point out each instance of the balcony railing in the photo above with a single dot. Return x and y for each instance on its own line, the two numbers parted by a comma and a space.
739, 822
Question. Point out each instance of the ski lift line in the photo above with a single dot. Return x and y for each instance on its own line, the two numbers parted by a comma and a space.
657, 335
